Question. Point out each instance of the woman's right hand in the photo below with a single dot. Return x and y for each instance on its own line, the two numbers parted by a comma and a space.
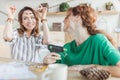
11, 11
42, 11
51, 58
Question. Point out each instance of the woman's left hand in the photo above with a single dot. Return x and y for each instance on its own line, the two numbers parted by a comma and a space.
42, 12
51, 58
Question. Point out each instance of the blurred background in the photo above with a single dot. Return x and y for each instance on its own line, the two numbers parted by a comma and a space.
108, 17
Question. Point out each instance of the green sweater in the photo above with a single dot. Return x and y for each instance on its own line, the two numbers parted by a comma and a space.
95, 50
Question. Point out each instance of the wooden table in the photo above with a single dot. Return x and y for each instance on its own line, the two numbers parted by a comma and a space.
72, 75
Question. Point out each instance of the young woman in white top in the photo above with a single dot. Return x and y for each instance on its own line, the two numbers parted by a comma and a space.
27, 42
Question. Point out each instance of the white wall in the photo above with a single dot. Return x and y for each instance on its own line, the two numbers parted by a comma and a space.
110, 21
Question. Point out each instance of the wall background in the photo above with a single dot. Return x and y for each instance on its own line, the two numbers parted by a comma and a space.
108, 22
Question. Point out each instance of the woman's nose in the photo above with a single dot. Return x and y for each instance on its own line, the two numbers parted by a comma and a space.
29, 20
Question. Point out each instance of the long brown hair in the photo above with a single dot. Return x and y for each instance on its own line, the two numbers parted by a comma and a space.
89, 16
22, 29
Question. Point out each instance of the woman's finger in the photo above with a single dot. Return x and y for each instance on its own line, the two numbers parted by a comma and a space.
56, 57
50, 61
54, 54
40, 9
40, 6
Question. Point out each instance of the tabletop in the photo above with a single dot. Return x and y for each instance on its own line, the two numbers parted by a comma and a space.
38, 70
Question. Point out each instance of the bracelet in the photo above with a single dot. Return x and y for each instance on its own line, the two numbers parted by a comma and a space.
43, 20
9, 20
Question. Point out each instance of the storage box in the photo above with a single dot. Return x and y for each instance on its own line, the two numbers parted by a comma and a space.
57, 26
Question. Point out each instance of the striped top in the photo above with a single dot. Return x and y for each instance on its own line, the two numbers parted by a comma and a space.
28, 49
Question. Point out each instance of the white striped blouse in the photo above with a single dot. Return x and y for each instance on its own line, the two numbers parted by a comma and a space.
28, 49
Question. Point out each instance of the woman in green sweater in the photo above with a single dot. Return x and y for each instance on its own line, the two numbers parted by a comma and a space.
90, 45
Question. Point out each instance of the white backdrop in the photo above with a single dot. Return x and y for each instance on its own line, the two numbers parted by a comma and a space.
111, 21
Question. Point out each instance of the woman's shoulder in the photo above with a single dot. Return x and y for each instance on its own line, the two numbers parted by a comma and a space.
39, 37
99, 36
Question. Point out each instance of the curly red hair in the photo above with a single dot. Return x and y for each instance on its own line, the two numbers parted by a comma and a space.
89, 17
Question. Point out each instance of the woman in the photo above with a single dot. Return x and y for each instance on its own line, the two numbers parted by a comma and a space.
27, 42
90, 46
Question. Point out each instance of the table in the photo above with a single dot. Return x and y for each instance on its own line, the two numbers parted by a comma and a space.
72, 75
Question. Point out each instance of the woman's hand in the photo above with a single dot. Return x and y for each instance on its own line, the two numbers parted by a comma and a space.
11, 12
51, 58
42, 12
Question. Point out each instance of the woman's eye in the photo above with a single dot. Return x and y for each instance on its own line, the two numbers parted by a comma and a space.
25, 18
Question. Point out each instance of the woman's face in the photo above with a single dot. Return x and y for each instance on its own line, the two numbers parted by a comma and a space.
71, 22
67, 22
28, 20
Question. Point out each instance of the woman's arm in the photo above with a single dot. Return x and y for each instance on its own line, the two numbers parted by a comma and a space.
114, 70
112, 55
7, 35
45, 33
42, 11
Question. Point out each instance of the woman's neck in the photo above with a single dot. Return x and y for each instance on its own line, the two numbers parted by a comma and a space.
80, 35
28, 33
